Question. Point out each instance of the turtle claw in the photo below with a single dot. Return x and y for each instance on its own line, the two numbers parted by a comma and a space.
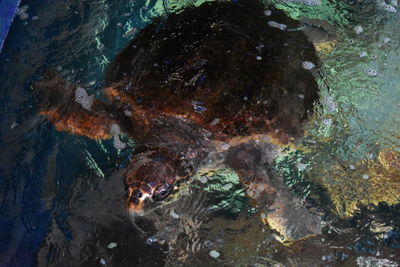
80, 123
71, 109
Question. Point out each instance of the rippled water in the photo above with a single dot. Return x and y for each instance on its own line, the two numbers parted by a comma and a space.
61, 199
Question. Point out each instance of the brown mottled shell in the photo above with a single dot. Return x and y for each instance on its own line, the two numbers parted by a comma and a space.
225, 65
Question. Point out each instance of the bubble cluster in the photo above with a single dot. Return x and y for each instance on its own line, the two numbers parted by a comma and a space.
268, 12
372, 73
277, 25
312, 2
118, 144
22, 12
305, 2
388, 7
174, 214
82, 98
301, 166
115, 131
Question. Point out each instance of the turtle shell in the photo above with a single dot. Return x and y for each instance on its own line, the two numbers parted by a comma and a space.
235, 67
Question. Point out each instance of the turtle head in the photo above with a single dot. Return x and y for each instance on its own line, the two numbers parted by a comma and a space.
152, 176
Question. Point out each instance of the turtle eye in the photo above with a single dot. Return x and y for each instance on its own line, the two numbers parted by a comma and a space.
136, 196
162, 192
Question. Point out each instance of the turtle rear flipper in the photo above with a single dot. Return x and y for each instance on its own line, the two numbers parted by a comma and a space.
71, 109
280, 208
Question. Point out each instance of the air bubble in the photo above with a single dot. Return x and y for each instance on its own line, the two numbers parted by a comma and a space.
327, 122
115, 129
363, 54
277, 25
308, 65
258, 57
330, 104
128, 113
227, 186
358, 29
214, 254
112, 245
215, 122
203, 179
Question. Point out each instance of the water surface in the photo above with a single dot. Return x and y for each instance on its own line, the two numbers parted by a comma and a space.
61, 199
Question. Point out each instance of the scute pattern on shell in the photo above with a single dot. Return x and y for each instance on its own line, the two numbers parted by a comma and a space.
244, 72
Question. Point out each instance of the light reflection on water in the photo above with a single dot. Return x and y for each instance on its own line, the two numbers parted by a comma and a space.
61, 188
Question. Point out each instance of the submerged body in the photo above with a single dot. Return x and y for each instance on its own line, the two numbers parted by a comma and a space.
211, 85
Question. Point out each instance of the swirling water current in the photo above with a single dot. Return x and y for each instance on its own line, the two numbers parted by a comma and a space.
55, 203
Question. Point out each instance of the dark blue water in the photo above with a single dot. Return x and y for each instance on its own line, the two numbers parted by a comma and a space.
40, 167
7, 10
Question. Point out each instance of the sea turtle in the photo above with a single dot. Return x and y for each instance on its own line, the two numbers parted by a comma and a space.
226, 82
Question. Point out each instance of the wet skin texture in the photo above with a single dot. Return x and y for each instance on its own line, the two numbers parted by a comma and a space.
211, 75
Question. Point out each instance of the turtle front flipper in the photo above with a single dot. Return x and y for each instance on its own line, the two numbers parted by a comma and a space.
280, 208
71, 109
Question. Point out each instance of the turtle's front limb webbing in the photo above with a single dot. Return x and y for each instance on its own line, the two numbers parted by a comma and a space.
71, 109
280, 208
